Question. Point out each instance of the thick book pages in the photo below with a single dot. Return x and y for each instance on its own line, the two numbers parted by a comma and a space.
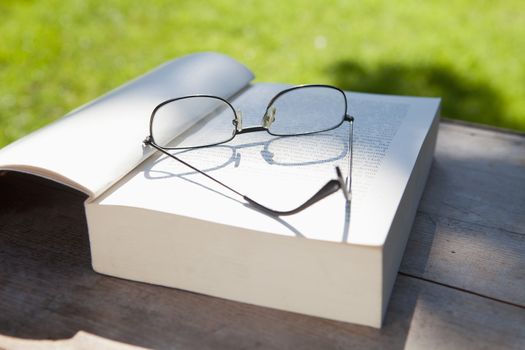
95, 145
174, 227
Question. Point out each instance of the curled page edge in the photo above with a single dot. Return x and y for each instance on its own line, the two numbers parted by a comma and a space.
93, 146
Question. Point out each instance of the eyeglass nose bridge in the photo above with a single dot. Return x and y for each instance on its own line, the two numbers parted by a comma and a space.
269, 117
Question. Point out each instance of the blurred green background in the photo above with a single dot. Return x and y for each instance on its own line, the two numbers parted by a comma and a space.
56, 55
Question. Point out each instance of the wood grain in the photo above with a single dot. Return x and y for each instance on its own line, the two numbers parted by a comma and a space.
478, 176
486, 261
470, 228
461, 285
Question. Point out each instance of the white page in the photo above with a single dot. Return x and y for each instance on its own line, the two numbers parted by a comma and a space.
388, 134
95, 145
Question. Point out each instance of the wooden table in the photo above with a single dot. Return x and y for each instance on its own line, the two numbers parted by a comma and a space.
461, 283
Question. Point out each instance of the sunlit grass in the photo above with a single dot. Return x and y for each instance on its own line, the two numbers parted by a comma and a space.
56, 55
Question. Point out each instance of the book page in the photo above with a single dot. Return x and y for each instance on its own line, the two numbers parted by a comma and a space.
95, 145
283, 172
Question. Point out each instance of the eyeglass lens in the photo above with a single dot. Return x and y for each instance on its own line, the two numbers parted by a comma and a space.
307, 110
194, 121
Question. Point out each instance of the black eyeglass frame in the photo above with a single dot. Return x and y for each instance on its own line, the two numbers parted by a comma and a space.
329, 188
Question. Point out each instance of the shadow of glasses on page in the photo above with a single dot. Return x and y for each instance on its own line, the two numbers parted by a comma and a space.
462, 96
277, 151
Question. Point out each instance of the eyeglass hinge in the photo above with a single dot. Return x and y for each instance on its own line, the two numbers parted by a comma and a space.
343, 184
147, 140
349, 118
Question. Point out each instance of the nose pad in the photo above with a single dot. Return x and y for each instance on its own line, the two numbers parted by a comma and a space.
269, 117
237, 121
236, 160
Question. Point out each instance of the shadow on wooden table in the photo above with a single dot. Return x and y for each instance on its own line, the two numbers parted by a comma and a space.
49, 291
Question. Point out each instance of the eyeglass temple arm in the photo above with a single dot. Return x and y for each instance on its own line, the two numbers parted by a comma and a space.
348, 186
331, 186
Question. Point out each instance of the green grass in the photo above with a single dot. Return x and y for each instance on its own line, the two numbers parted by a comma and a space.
56, 55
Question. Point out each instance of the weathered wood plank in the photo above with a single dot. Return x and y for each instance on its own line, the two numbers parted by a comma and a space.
470, 228
81, 341
478, 176
445, 318
483, 260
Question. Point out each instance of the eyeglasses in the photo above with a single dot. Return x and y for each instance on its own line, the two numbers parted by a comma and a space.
197, 121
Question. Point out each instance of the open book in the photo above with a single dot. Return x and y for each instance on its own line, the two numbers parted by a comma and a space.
152, 219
